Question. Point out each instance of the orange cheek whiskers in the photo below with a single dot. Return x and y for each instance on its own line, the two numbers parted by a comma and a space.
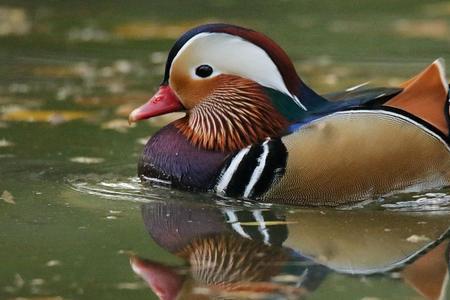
234, 116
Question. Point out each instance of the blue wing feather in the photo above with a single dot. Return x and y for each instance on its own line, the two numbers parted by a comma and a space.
367, 98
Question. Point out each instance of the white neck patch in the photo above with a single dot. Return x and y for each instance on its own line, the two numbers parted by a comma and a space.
229, 54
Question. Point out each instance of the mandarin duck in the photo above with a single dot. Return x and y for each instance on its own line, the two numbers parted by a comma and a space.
254, 130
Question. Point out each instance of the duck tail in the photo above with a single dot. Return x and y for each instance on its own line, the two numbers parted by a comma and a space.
426, 96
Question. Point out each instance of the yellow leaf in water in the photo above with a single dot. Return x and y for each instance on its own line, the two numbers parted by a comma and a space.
418, 238
53, 263
130, 285
39, 298
56, 71
434, 29
51, 116
87, 160
125, 109
14, 21
7, 197
5, 143
120, 125
438, 9
149, 30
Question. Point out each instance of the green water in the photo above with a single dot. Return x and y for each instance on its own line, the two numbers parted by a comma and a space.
70, 71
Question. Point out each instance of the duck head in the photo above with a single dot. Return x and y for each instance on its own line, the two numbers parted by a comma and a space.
236, 86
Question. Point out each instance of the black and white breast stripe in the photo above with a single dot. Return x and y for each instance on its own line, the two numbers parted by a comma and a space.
250, 172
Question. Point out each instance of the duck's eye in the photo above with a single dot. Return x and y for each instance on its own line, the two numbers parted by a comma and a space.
203, 71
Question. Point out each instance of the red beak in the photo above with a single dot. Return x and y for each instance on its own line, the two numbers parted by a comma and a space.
163, 102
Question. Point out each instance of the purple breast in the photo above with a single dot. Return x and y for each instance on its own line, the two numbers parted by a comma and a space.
168, 155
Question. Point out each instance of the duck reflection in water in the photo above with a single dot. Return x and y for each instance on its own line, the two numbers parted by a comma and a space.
261, 253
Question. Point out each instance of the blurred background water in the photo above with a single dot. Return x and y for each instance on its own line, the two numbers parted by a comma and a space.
70, 206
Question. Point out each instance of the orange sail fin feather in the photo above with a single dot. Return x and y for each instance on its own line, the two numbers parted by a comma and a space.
425, 96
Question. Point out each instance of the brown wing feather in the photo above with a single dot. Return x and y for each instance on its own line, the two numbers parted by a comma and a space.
425, 96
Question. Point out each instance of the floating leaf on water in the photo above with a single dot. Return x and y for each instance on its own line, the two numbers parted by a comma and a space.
5, 143
87, 160
56, 71
14, 21
119, 125
438, 9
132, 99
347, 26
418, 238
18, 88
131, 285
116, 87
51, 116
149, 30
89, 101
88, 34
434, 29
19, 282
126, 252
125, 109
106, 72
53, 263
7, 197
158, 57
37, 281
123, 66
39, 298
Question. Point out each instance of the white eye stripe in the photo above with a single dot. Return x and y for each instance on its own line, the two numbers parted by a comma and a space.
229, 54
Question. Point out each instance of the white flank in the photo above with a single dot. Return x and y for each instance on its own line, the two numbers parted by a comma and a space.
258, 170
228, 174
230, 54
